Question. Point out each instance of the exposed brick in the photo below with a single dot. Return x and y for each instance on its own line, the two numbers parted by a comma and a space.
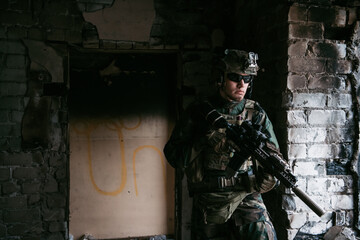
340, 18
296, 117
56, 201
307, 135
311, 100
297, 13
340, 218
327, 117
2, 32
13, 18
18, 229
309, 30
13, 103
60, 173
12, 47
16, 116
297, 151
13, 89
309, 168
51, 184
297, 48
15, 142
17, 32
56, 35
295, 82
340, 66
340, 100
320, 14
16, 159
320, 151
316, 185
328, 50
6, 129
57, 227
54, 215
306, 65
56, 236
13, 202
343, 151
22, 5
16, 75
297, 220
338, 185
33, 199
342, 202
352, 16
340, 135
30, 187
326, 82
36, 34
22, 216
4, 116
10, 187
3, 230
15, 61
337, 33
26, 173
4, 174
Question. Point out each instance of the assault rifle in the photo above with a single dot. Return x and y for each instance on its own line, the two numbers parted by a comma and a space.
250, 141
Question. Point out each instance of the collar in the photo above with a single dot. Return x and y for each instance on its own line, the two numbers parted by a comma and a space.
227, 107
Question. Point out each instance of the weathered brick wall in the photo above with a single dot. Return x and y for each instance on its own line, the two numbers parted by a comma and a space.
321, 113
33, 127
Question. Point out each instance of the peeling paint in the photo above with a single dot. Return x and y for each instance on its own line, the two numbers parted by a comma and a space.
129, 20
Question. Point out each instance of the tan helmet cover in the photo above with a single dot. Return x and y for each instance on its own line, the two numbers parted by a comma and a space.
240, 62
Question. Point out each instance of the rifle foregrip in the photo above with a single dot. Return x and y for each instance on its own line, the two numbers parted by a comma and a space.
307, 200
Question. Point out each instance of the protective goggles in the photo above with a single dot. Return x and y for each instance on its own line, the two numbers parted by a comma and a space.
237, 77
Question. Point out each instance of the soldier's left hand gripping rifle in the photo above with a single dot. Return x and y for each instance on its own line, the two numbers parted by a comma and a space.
248, 141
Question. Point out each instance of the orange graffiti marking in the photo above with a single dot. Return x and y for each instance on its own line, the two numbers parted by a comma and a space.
88, 127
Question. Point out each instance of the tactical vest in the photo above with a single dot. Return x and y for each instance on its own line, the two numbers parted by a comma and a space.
217, 196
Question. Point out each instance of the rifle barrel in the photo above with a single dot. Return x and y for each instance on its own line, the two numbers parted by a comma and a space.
307, 200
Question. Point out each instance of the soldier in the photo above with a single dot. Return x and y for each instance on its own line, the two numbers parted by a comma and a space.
223, 207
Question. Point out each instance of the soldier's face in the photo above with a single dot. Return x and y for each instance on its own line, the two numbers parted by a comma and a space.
234, 90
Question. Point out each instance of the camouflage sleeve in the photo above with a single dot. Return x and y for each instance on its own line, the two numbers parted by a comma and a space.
263, 119
266, 181
270, 129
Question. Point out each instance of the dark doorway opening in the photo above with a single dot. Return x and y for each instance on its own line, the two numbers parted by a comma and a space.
122, 108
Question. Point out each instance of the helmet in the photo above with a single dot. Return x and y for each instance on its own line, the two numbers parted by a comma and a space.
238, 61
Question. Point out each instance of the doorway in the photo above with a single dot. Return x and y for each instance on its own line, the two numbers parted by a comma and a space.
121, 113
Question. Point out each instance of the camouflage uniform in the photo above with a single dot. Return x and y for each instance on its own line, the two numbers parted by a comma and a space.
239, 211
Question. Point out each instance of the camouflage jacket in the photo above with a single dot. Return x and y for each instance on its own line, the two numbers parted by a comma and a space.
191, 129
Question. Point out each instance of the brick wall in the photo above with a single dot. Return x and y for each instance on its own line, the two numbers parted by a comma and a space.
308, 84
319, 103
